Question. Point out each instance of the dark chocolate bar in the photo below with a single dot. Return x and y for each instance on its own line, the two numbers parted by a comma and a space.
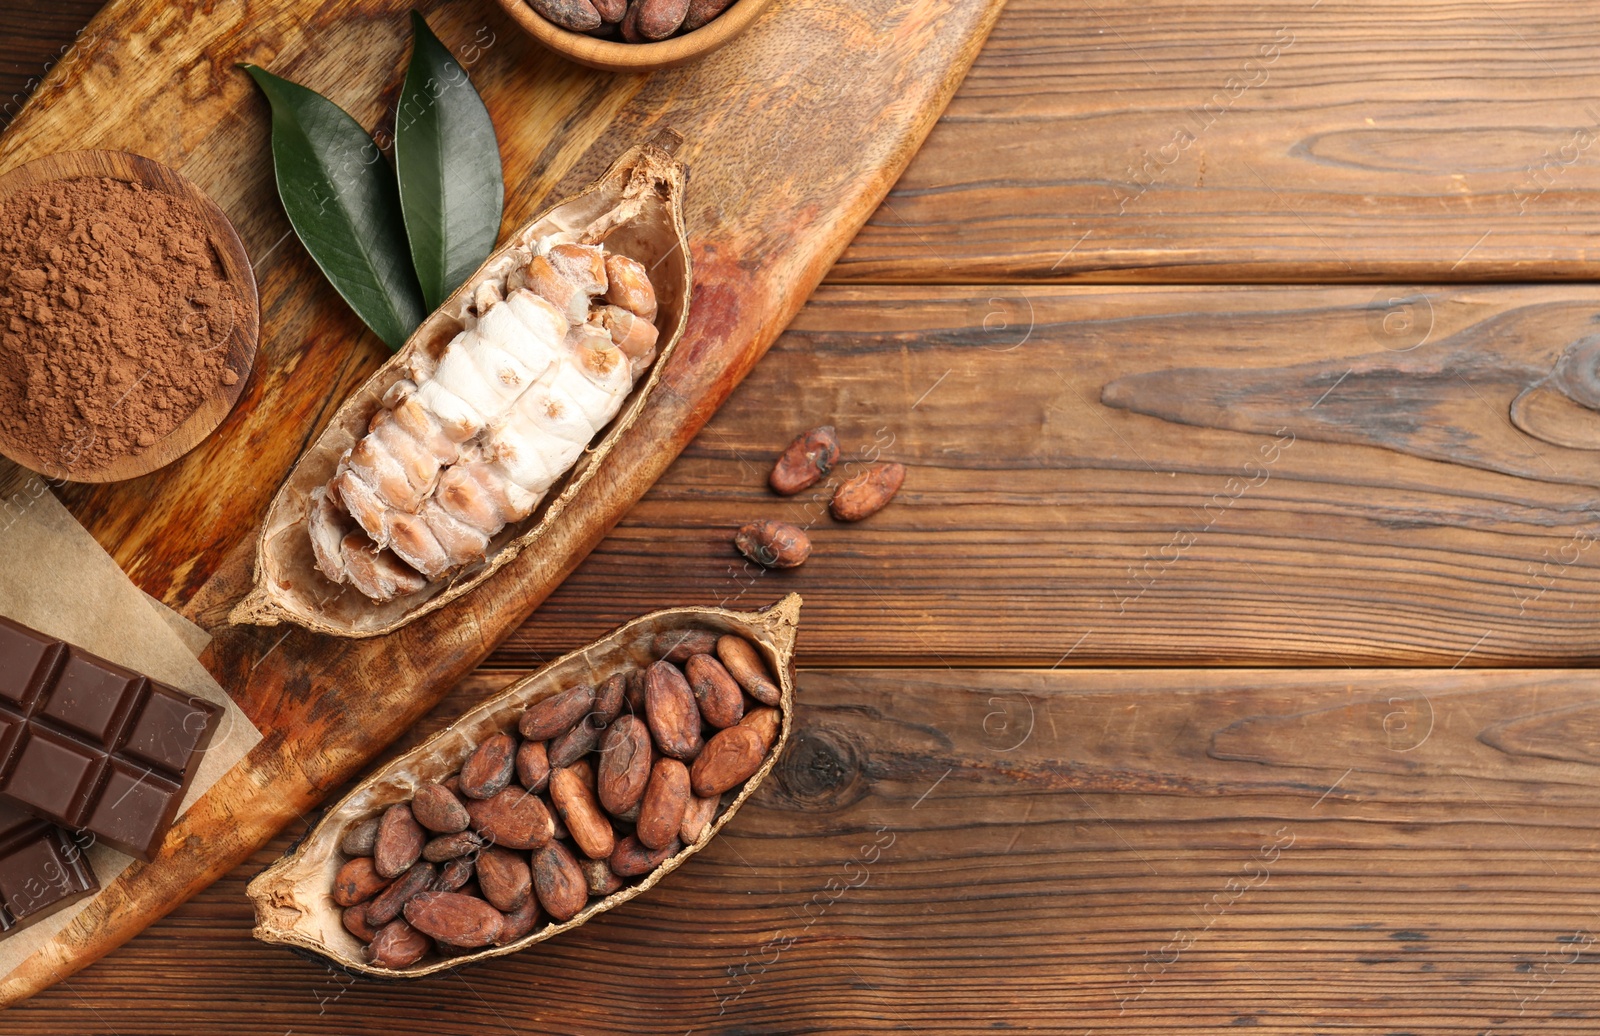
87, 744
41, 870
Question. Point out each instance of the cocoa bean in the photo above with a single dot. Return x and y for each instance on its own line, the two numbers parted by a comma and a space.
520, 922
515, 818
812, 454
730, 757
629, 27
659, 19
574, 797
677, 645
399, 842
866, 494
603, 881
665, 800
452, 784
744, 664
568, 748
455, 874
533, 765
765, 723
450, 847
626, 755
488, 770
559, 882
701, 12
609, 698
438, 810
559, 832
355, 922
357, 882
773, 544
701, 812
577, 15
455, 918
611, 11
715, 691
358, 841
633, 693
386, 907
397, 945
633, 858
505, 878
670, 711
556, 714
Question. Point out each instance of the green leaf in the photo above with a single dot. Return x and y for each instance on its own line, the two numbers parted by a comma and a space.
448, 162
341, 199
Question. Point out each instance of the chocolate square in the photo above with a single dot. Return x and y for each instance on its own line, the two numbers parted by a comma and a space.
135, 809
41, 870
171, 729
93, 697
54, 776
26, 662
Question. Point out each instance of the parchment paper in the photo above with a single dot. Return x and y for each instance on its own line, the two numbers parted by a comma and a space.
56, 578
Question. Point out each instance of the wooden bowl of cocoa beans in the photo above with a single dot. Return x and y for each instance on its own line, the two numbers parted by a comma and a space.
633, 35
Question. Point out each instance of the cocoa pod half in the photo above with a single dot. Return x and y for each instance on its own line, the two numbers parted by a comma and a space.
744, 664
574, 798
357, 882
515, 818
730, 757
488, 770
386, 907
436, 809
671, 712
577, 15
773, 544
659, 19
397, 945
399, 842
717, 693
666, 798
867, 493
505, 878
454, 918
813, 453
556, 714
559, 882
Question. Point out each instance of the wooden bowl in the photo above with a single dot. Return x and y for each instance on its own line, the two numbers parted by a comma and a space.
241, 345
616, 56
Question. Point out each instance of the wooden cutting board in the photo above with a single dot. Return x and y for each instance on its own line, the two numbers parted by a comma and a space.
792, 135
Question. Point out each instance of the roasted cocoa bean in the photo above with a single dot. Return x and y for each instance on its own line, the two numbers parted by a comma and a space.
773, 544
765, 723
558, 881
611, 11
438, 810
399, 842
450, 847
488, 770
515, 818
573, 794
659, 19
701, 812
670, 711
609, 698
454, 918
577, 15
813, 454
568, 748
629, 26
520, 921
358, 841
633, 858
717, 693
677, 645
357, 882
355, 922
533, 765
744, 664
731, 756
625, 758
864, 495
397, 945
505, 878
556, 714
701, 12
455, 874
666, 798
386, 907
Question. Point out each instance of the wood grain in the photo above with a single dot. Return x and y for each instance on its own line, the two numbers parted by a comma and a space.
1064, 852
1093, 481
773, 202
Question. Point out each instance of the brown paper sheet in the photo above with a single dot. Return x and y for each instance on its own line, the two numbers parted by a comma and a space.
56, 578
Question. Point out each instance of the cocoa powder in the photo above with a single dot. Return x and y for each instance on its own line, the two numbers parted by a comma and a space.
114, 319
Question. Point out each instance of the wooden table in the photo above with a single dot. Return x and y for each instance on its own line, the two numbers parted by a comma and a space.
1224, 662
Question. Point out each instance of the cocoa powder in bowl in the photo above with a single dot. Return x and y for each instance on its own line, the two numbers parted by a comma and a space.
115, 314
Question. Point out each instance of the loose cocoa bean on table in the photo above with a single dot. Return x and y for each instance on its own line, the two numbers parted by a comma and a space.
773, 544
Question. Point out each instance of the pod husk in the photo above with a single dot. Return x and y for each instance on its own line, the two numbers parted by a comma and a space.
293, 897
637, 209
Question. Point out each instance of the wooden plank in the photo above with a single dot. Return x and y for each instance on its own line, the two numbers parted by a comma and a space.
1351, 851
1128, 140
34, 35
774, 199
1069, 502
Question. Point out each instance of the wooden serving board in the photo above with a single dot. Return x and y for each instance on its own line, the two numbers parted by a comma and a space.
793, 134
